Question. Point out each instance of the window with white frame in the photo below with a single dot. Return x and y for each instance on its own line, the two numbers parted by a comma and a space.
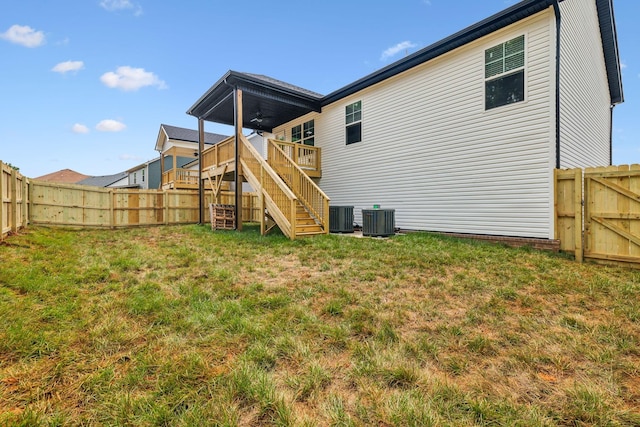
304, 133
308, 133
353, 121
504, 73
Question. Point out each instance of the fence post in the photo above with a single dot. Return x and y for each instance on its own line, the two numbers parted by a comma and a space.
578, 210
25, 201
112, 211
2, 184
14, 200
165, 210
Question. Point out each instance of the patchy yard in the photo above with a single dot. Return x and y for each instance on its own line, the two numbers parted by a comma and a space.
181, 326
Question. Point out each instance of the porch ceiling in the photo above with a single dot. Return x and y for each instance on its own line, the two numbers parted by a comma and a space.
267, 103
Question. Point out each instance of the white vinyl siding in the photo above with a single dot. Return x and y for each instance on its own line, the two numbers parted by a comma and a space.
585, 119
430, 151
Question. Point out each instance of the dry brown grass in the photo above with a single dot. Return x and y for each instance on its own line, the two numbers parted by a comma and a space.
181, 326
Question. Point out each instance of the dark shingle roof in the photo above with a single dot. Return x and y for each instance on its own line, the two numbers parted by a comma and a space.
610, 45
284, 85
217, 103
515, 13
104, 180
190, 135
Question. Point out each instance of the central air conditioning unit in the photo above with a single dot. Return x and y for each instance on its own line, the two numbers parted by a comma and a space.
341, 219
378, 222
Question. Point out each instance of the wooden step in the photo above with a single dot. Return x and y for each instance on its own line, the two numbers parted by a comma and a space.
309, 229
305, 221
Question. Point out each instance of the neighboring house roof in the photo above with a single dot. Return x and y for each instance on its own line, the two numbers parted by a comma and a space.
64, 176
187, 135
142, 165
190, 135
103, 181
270, 102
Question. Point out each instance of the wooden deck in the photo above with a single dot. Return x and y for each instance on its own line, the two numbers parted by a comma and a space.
283, 181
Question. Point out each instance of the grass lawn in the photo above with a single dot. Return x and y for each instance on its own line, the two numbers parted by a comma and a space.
181, 326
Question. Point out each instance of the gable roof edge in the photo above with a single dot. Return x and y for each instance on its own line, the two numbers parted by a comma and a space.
513, 14
610, 47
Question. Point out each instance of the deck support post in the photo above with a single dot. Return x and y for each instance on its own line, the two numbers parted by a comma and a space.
200, 184
238, 155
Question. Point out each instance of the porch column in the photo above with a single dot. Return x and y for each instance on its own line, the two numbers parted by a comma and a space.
238, 155
175, 166
161, 168
200, 186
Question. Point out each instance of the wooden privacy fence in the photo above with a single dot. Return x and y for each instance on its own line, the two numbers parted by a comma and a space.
598, 213
14, 200
24, 201
84, 206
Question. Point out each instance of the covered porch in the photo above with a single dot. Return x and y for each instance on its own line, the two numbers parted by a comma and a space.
281, 175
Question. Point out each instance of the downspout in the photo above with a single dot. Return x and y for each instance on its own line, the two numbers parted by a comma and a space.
611, 134
556, 9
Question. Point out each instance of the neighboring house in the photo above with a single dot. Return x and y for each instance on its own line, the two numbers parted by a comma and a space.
64, 176
178, 147
118, 180
147, 175
462, 136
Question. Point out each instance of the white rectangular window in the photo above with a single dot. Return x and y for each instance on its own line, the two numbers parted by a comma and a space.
504, 73
353, 120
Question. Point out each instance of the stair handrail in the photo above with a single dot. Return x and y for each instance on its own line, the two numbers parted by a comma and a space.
285, 202
307, 191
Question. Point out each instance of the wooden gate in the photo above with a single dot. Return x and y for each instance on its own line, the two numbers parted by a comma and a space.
598, 213
612, 213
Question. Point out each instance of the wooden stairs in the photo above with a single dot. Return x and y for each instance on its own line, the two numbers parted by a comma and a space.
289, 197
306, 225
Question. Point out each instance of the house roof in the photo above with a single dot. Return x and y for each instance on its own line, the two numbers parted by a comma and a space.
269, 102
103, 181
142, 165
190, 135
513, 14
64, 176
611, 53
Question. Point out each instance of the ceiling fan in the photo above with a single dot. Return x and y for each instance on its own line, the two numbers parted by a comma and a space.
259, 118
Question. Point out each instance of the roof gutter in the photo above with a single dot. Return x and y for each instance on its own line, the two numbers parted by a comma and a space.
556, 9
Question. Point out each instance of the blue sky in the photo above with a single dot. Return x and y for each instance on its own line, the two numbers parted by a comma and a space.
85, 84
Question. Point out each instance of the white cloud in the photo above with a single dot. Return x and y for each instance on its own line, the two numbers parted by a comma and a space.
110, 126
24, 35
130, 79
623, 65
427, 2
65, 67
394, 50
115, 5
78, 128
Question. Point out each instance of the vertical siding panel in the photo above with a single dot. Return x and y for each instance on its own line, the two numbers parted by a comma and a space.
585, 119
432, 152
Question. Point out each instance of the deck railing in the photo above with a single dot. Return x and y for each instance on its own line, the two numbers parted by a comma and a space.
181, 178
279, 199
315, 200
305, 156
221, 153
